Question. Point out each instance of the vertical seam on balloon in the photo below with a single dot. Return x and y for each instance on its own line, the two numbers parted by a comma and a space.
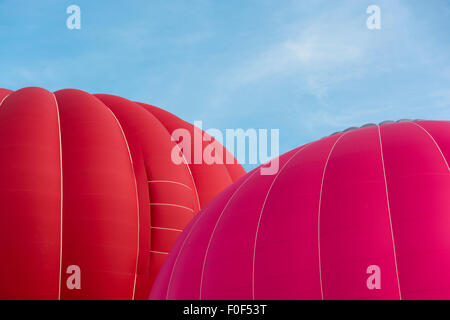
194, 190
260, 217
192, 176
435, 143
62, 194
182, 154
4, 99
319, 212
137, 200
215, 226
389, 213
190, 172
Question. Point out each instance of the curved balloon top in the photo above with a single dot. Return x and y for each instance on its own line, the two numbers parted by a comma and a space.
88, 184
361, 214
371, 124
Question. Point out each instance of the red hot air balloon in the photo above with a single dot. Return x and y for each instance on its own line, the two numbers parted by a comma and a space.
361, 214
87, 182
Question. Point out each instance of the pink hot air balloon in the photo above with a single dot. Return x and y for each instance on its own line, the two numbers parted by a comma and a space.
87, 181
361, 214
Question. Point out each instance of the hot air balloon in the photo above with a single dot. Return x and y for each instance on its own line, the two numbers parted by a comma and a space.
87, 183
360, 214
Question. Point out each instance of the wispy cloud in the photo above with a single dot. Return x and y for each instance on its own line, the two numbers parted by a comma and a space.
331, 48
329, 55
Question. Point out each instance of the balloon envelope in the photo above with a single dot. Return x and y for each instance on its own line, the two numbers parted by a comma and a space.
361, 214
87, 181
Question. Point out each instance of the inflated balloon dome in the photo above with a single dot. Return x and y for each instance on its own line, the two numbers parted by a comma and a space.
87, 181
361, 214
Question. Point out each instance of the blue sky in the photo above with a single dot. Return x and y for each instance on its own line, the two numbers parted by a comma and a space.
308, 68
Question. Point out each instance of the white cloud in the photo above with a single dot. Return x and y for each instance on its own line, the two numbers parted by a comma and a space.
330, 51
333, 47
